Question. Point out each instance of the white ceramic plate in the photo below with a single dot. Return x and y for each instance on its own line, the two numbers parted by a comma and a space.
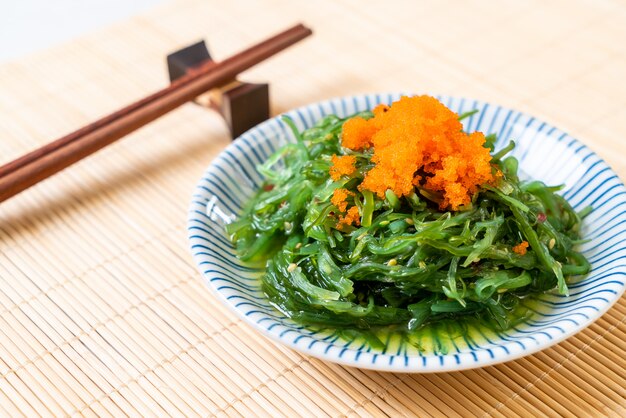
545, 152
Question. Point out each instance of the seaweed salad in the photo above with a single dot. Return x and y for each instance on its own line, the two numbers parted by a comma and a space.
398, 219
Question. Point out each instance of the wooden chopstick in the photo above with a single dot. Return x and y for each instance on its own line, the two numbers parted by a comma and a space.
51, 158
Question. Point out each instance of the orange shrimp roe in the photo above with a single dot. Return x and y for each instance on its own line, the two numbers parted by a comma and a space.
357, 133
521, 248
420, 135
352, 217
343, 165
339, 198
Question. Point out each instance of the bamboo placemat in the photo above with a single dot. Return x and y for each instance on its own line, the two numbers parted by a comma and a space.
102, 312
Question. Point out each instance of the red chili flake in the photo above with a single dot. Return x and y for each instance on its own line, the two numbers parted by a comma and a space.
268, 187
541, 217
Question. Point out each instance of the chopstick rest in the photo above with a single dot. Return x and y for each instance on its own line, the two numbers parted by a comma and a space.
242, 105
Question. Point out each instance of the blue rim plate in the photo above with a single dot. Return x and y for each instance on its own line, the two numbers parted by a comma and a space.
548, 154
